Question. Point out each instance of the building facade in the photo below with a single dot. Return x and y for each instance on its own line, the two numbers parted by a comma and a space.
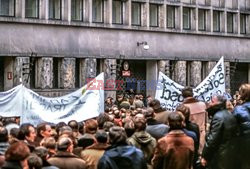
55, 46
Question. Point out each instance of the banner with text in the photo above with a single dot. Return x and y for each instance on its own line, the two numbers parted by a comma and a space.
32, 108
80, 105
169, 92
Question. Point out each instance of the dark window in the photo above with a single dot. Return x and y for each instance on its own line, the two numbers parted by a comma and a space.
32, 8
230, 22
55, 9
56, 64
153, 15
7, 7
117, 9
97, 11
242, 23
202, 19
170, 16
186, 18
77, 73
216, 21
76, 10
136, 13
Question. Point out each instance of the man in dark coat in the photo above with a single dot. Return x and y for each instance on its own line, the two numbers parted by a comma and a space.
64, 158
219, 149
155, 128
120, 155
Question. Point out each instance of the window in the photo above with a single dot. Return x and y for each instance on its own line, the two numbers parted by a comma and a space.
76, 10
230, 22
7, 7
97, 11
117, 12
216, 21
153, 12
186, 18
202, 20
31, 8
55, 9
136, 13
242, 23
170, 16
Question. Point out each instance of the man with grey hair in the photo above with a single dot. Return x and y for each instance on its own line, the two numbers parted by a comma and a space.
121, 155
220, 150
64, 158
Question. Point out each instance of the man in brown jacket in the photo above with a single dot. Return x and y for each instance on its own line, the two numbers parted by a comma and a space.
198, 113
176, 149
64, 158
93, 153
161, 114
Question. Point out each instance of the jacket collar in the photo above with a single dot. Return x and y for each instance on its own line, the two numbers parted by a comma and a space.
190, 100
65, 154
99, 146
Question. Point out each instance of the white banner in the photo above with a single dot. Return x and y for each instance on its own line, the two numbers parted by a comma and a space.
11, 102
80, 105
169, 92
214, 83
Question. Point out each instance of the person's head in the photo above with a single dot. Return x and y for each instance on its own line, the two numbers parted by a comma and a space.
81, 127
117, 135
218, 100
35, 162
44, 130
3, 134
155, 104
107, 125
129, 127
65, 131
65, 144
187, 92
176, 120
27, 132
139, 123
18, 152
49, 143
184, 110
73, 124
41, 152
60, 125
101, 136
149, 113
91, 126
101, 119
244, 92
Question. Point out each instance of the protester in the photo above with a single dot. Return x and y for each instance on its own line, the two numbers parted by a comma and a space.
43, 131
16, 156
93, 153
161, 115
155, 128
220, 151
142, 139
120, 155
176, 149
3, 144
73, 124
50, 144
242, 114
27, 133
198, 113
43, 153
64, 158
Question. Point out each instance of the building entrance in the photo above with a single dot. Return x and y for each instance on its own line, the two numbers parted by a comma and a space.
135, 82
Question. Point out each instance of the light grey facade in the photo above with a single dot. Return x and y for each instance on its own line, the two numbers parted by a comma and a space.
54, 46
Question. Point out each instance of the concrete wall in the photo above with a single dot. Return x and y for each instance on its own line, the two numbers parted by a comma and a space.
49, 40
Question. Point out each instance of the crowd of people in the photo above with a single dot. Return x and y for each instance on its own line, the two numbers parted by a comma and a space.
137, 133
